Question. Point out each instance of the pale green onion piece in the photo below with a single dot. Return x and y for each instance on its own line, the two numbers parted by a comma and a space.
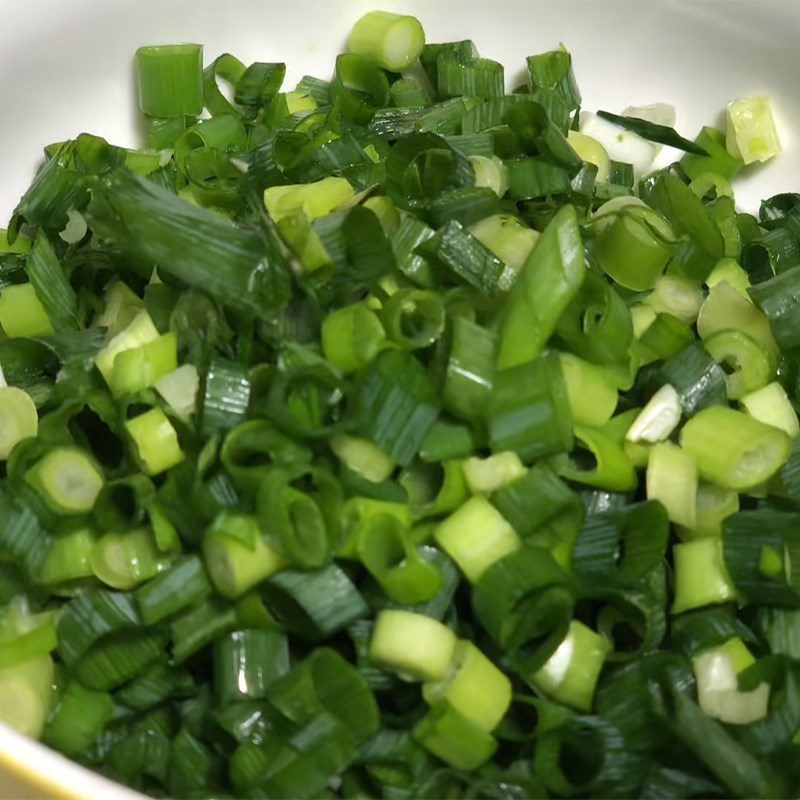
659, 418
126, 559
75, 229
18, 418
474, 686
712, 506
510, 240
22, 313
140, 367
490, 173
748, 364
728, 270
592, 152
179, 389
570, 675
121, 306
725, 309
139, 331
299, 101
657, 113
701, 577
156, 441
413, 645
678, 296
393, 41
314, 199
235, 566
751, 134
475, 536
733, 450
25, 695
718, 691
642, 317
493, 472
672, 480
771, 405
592, 398
69, 480
362, 457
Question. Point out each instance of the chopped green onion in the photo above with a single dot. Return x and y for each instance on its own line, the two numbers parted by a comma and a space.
156, 442
454, 738
412, 644
771, 405
746, 364
236, 555
68, 479
474, 686
22, 312
658, 419
170, 80
672, 480
570, 674
733, 450
701, 577
592, 399
475, 536
394, 41
18, 418
751, 132
492, 473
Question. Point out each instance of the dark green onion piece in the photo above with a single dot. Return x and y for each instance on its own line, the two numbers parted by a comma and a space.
314, 605
653, 132
527, 410
397, 405
247, 662
547, 283
170, 80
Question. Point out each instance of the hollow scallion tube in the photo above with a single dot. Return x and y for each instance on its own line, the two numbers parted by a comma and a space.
701, 577
412, 644
363, 457
592, 399
672, 480
352, 336
26, 691
474, 686
137, 368
18, 418
236, 555
414, 318
155, 440
475, 536
69, 559
386, 550
732, 449
124, 560
393, 41
570, 674
22, 313
547, 283
454, 738
68, 479
140, 331
748, 365
599, 461
170, 80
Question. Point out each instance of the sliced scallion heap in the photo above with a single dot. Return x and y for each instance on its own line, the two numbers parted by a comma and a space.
391, 435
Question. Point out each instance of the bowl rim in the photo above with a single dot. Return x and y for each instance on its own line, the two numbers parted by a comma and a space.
53, 774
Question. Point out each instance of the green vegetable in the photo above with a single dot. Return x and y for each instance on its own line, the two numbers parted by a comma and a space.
391, 436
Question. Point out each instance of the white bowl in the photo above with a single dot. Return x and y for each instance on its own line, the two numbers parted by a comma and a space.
65, 68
